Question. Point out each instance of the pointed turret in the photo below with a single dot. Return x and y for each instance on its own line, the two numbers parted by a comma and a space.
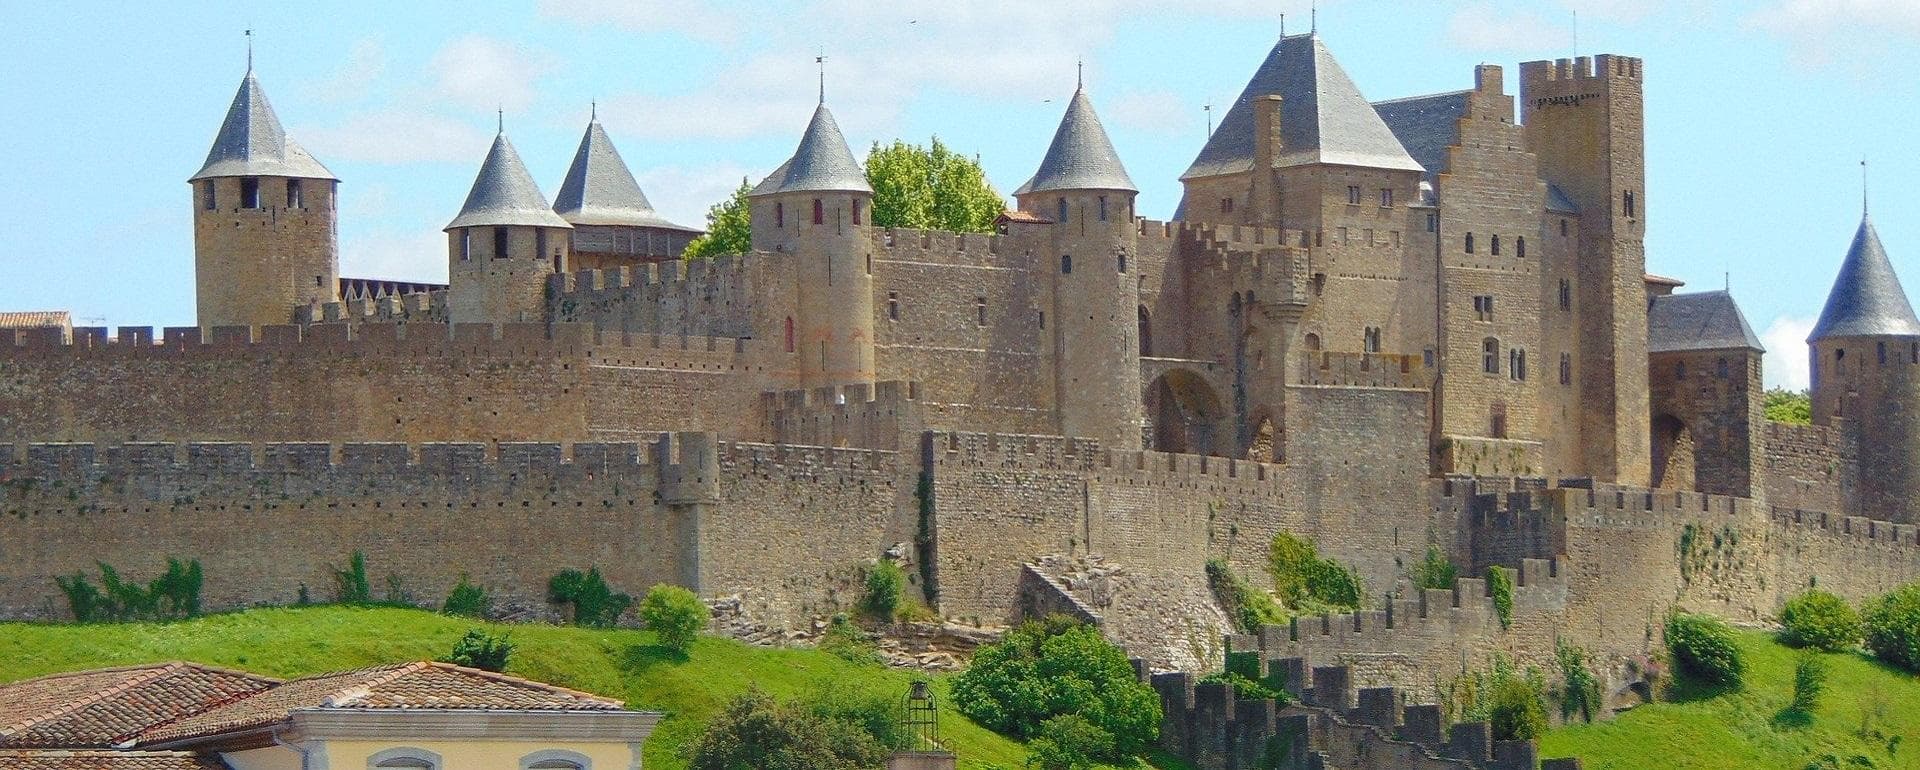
1867, 299
822, 162
1081, 156
251, 142
505, 194
504, 244
613, 223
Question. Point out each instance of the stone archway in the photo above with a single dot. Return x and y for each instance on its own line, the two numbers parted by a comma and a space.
1673, 454
1186, 413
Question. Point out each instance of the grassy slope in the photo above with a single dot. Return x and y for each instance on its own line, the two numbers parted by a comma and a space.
624, 664
1739, 730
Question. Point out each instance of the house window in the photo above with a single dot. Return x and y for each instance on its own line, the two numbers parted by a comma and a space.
1483, 307
1490, 356
405, 758
819, 212
1628, 208
1566, 294
1061, 207
789, 334
295, 199
1566, 369
893, 306
249, 193
856, 211
1103, 208
1496, 245
1520, 246
1469, 243
207, 195
499, 243
980, 310
1386, 197
1066, 263
779, 215
1370, 341
556, 759
1433, 223
1353, 195
466, 244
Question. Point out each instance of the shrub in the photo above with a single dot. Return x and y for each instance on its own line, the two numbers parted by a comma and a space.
1044, 669
1579, 690
675, 615
350, 584
1248, 607
1307, 582
1436, 571
1244, 688
467, 600
1703, 647
846, 641
1500, 587
594, 603
1809, 681
83, 599
756, 731
1820, 620
1517, 712
1070, 742
479, 649
175, 594
886, 587
1893, 627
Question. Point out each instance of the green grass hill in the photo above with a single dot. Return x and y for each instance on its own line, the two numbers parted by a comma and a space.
291, 642
1869, 717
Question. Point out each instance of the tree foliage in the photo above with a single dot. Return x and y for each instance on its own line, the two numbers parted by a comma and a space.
756, 731
1704, 648
1789, 406
1893, 627
1046, 669
174, 594
1579, 689
886, 591
675, 615
350, 584
481, 650
930, 188
594, 602
1436, 571
1820, 620
1500, 587
729, 228
1309, 583
467, 600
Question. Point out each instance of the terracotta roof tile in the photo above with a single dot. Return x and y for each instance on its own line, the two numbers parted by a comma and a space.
34, 319
104, 707
54, 759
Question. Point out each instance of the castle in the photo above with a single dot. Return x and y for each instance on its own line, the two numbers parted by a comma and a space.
1387, 326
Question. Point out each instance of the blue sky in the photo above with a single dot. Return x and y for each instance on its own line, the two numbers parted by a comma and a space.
1757, 113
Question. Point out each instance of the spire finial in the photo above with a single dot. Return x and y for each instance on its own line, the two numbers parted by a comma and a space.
1283, 25
500, 115
249, 34
1313, 19
593, 109
1208, 108
1863, 187
822, 61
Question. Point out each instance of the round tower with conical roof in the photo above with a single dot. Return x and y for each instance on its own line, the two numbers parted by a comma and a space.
504, 244
1865, 365
1084, 191
264, 221
816, 207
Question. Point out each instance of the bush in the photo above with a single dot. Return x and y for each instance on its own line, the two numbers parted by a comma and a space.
1579, 690
86, 602
350, 584
1518, 712
846, 641
1703, 647
1070, 742
1244, 688
1045, 669
594, 603
1809, 681
1249, 608
1307, 582
886, 587
479, 649
675, 615
1893, 627
1436, 571
467, 600
756, 731
173, 595
1500, 587
1820, 620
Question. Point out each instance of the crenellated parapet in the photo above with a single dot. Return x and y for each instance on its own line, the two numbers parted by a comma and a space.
994, 451
701, 296
1364, 370
860, 415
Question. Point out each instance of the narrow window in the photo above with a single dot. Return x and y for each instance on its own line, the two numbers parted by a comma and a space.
980, 310
1386, 197
869, 264
1066, 263
779, 215
249, 193
789, 334
1883, 353
1627, 206
1563, 228
1517, 368
1103, 208
1061, 207
207, 198
319, 280
1319, 283
1469, 243
466, 244
1371, 341
1313, 341
558, 267
499, 243
819, 212
1916, 354
1043, 319
893, 306
1353, 195
1566, 294
1433, 223
1566, 369
1720, 368
1496, 245
1122, 259
295, 200
1520, 246
1490, 356
1146, 332
856, 211
540, 246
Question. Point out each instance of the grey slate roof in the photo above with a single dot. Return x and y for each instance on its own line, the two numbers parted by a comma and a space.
1425, 125
1081, 156
1866, 298
600, 190
251, 142
505, 194
1706, 320
1323, 118
822, 162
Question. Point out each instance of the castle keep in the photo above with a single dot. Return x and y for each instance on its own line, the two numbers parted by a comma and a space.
1385, 326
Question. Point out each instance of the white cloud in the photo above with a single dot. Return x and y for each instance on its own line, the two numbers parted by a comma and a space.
1482, 27
395, 255
1822, 32
693, 18
366, 62
1158, 112
683, 195
482, 73
398, 135
1623, 11
1785, 364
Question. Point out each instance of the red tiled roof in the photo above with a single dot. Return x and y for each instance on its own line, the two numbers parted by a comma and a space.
31, 319
104, 707
423, 685
1024, 216
57, 759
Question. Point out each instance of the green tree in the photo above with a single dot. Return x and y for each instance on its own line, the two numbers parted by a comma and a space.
1436, 571
1309, 583
675, 615
930, 188
1809, 681
1704, 647
1820, 620
467, 600
1790, 406
1070, 742
1893, 627
594, 602
729, 228
755, 731
886, 589
1045, 669
350, 584
481, 650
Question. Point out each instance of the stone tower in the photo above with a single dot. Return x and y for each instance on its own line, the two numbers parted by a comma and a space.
264, 217
1866, 378
1584, 122
816, 207
1085, 192
613, 223
503, 245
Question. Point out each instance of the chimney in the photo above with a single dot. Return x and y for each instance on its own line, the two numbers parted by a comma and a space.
1266, 126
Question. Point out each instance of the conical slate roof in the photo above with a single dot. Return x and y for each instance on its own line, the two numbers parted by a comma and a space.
1866, 299
600, 190
822, 162
1081, 157
505, 194
252, 143
1323, 117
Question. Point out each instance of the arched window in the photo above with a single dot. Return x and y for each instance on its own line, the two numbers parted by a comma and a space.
1313, 341
556, 759
1469, 243
819, 212
789, 334
1066, 263
1490, 356
404, 757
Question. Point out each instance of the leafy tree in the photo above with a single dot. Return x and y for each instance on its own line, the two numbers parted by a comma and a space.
1893, 627
1436, 571
930, 188
467, 600
755, 731
675, 615
1070, 742
1518, 712
1820, 620
1044, 669
729, 228
594, 603
479, 649
1790, 406
1704, 647
886, 587
1809, 681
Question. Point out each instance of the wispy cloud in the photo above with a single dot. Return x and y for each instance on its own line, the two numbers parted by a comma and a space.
1847, 32
366, 62
684, 194
696, 19
1483, 27
484, 73
1785, 364
396, 255
398, 135
1156, 111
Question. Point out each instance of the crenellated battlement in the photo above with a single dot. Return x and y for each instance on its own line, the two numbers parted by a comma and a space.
1851, 528
862, 415
1056, 453
1364, 370
695, 272
1601, 67
1540, 585
428, 306
343, 339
